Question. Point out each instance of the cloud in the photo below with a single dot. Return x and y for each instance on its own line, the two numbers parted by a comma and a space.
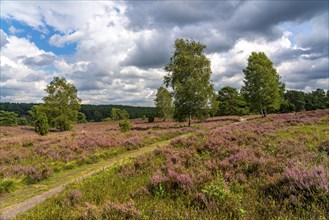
152, 49
14, 30
3, 38
21, 78
44, 59
122, 46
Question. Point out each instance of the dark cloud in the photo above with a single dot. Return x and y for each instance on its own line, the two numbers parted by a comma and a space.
3, 38
40, 60
261, 15
150, 52
164, 14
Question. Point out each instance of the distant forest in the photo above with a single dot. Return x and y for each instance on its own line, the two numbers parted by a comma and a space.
92, 112
295, 101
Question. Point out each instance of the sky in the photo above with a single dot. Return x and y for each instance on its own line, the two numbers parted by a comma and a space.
114, 52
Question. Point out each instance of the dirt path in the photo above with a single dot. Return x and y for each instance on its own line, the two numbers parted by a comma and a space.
12, 211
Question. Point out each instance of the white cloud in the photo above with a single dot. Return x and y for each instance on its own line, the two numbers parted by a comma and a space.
19, 81
116, 62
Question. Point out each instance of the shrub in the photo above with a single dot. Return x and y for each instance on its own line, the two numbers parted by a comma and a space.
301, 185
127, 210
35, 175
22, 121
125, 125
41, 124
150, 118
8, 118
82, 118
119, 114
170, 182
63, 124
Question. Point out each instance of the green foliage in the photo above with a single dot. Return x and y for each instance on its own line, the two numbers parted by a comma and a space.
316, 100
61, 105
7, 185
217, 190
150, 118
97, 116
231, 102
41, 124
164, 103
125, 125
119, 114
189, 75
8, 118
22, 121
262, 90
81, 118
296, 98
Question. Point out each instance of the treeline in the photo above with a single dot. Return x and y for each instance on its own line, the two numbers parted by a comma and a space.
92, 112
100, 112
232, 102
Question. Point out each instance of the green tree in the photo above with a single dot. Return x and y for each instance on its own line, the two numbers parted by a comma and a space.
189, 75
119, 114
61, 105
231, 102
262, 87
98, 116
214, 105
41, 123
81, 118
8, 118
164, 103
296, 98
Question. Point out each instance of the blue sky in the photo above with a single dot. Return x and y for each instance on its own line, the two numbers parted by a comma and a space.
114, 51
40, 37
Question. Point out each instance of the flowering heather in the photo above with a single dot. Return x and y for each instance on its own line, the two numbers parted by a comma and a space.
304, 180
301, 185
263, 168
124, 210
172, 181
21, 147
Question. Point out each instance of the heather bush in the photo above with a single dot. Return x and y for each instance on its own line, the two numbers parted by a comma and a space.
300, 185
170, 182
125, 126
112, 210
132, 143
36, 174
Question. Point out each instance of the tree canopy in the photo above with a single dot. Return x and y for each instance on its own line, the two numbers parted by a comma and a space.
61, 105
8, 118
119, 114
262, 87
189, 75
231, 102
164, 103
